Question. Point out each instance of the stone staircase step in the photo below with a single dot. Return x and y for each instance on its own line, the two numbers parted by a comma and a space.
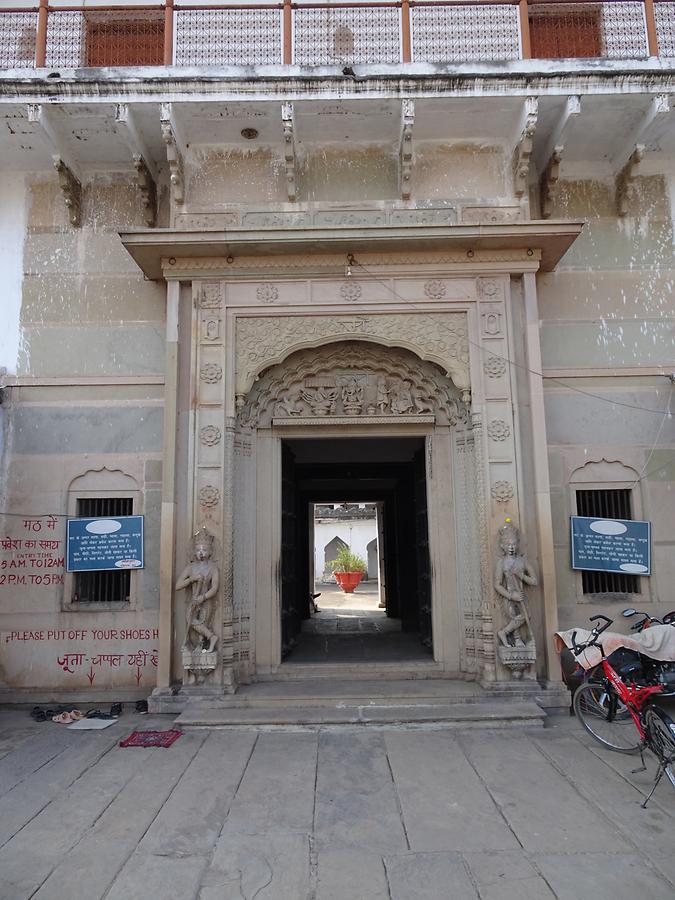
495, 714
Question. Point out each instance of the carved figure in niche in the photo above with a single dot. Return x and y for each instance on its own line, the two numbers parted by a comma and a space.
401, 398
421, 402
512, 571
287, 407
352, 397
321, 400
203, 577
382, 399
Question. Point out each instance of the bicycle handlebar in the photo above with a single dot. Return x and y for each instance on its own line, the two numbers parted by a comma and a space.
595, 634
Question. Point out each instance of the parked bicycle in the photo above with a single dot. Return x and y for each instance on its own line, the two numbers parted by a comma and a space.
622, 714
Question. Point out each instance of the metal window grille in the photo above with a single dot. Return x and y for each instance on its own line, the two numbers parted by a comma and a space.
228, 37
588, 30
465, 33
337, 36
102, 587
105, 38
607, 504
17, 39
664, 13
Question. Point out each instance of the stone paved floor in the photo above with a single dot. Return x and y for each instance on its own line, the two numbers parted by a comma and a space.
336, 815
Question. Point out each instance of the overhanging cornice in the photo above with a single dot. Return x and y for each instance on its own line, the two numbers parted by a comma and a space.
152, 249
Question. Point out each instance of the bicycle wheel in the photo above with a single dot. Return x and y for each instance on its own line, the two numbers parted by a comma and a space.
606, 718
660, 732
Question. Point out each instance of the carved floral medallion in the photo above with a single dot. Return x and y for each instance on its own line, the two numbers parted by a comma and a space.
210, 435
435, 289
267, 293
494, 366
498, 430
350, 290
211, 373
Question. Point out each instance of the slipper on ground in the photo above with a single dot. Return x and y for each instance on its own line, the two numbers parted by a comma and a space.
62, 719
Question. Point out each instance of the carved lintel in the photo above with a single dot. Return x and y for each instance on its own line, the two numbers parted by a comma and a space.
288, 124
405, 153
148, 190
523, 151
625, 179
71, 190
549, 180
174, 156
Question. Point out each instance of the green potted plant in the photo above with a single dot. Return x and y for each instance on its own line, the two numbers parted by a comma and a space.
348, 568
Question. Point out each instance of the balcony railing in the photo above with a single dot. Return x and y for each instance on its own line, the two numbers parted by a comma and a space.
312, 34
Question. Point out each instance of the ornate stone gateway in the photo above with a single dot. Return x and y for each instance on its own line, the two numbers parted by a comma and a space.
264, 350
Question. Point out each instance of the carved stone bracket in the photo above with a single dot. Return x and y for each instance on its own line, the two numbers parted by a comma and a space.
71, 190
550, 153
405, 152
174, 153
549, 180
63, 159
288, 124
146, 175
524, 145
148, 190
625, 179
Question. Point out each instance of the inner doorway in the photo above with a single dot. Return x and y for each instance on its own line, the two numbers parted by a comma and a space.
388, 475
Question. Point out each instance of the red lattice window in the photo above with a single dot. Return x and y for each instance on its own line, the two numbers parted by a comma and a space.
121, 38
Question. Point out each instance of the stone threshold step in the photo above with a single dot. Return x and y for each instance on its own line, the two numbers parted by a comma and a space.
334, 692
357, 671
463, 714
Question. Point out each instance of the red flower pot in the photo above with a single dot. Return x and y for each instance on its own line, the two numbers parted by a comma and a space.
348, 580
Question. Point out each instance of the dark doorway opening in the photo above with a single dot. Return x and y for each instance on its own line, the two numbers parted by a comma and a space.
387, 471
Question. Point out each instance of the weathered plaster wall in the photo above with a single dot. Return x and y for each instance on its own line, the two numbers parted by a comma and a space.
89, 402
231, 177
468, 171
12, 232
607, 315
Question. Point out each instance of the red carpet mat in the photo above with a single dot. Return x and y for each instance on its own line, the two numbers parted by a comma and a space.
151, 738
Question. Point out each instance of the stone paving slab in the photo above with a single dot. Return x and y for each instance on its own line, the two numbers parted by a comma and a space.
359, 814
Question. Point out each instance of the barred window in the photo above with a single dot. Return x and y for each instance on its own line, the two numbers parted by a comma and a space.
102, 587
607, 504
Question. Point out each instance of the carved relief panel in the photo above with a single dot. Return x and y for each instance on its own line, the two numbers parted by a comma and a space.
350, 381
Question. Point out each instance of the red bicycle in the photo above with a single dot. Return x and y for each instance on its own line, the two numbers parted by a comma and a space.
612, 710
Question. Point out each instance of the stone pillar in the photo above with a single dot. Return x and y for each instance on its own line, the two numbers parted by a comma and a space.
168, 511
488, 674
540, 465
227, 561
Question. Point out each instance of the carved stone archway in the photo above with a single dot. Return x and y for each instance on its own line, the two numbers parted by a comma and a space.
351, 381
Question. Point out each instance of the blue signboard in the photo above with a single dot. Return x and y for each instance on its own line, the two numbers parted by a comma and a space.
96, 545
611, 545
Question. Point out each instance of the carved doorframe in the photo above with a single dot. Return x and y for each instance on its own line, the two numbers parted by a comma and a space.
215, 380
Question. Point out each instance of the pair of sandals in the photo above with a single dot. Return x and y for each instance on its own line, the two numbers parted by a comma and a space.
66, 718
